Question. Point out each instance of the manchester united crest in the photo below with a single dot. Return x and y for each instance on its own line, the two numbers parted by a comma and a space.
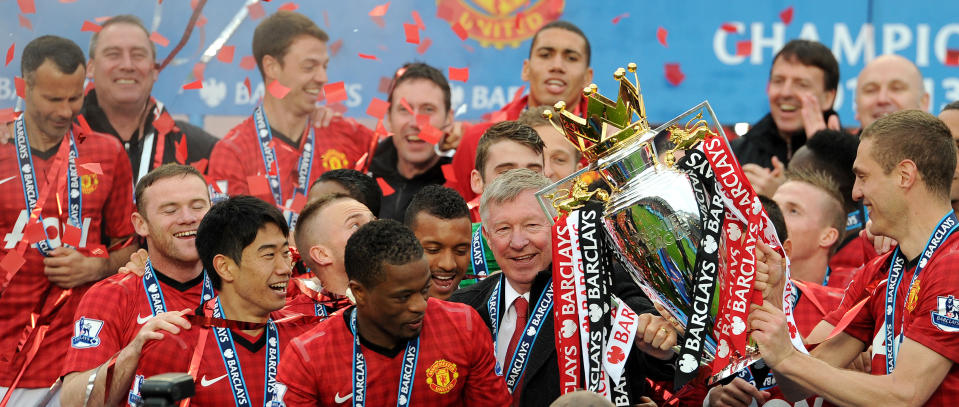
88, 183
913, 297
441, 376
334, 160
499, 22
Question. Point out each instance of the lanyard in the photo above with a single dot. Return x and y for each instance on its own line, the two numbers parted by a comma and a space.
480, 268
319, 309
520, 357
825, 280
31, 192
359, 369
303, 167
155, 292
224, 338
946, 226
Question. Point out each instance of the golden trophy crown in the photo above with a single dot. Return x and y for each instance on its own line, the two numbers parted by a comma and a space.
607, 124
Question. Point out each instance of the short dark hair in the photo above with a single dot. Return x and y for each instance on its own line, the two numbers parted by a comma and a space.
309, 211
918, 136
419, 70
65, 54
834, 152
121, 19
438, 201
275, 33
506, 130
954, 105
232, 225
775, 214
164, 171
812, 53
378, 242
361, 187
563, 25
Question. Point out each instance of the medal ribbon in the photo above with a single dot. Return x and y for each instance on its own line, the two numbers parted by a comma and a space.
157, 302
224, 338
359, 369
944, 229
28, 179
565, 238
520, 357
268, 153
478, 256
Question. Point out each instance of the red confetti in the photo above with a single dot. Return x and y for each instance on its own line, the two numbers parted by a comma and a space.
448, 172
212, 182
385, 84
10, 52
518, 93
459, 74
12, 261
71, 235
277, 89
620, 17
380, 10
90, 26
445, 12
289, 6
428, 133
33, 232
249, 87
248, 62
7, 115
335, 92
459, 30
952, 57
200, 165
20, 85
326, 19
380, 22
661, 34
380, 130
27, 6
258, 185
367, 56
786, 15
518, 20
377, 108
387, 189
406, 105
729, 27
256, 11
226, 54
93, 168
418, 20
673, 74
200, 22
424, 45
468, 48
744, 48
197, 84
159, 39
181, 151
412, 33
101, 19
198, 69
163, 124
335, 47
25, 22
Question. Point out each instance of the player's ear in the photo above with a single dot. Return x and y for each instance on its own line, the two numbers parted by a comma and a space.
476, 182
321, 255
788, 246
225, 267
358, 291
140, 224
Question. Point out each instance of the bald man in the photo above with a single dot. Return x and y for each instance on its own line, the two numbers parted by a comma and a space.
888, 84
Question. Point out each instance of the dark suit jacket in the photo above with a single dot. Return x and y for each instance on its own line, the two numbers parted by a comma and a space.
540, 382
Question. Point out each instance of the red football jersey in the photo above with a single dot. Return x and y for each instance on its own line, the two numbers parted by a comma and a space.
851, 256
303, 300
454, 366
118, 307
107, 203
931, 313
238, 155
212, 382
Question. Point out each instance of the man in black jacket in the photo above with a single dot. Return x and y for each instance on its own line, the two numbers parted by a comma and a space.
418, 116
519, 236
801, 90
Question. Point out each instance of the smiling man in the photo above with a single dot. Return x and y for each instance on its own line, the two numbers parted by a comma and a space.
171, 201
406, 160
440, 220
557, 70
279, 139
243, 240
888, 84
123, 68
397, 346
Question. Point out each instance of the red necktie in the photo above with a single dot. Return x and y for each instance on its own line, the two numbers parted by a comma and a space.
521, 306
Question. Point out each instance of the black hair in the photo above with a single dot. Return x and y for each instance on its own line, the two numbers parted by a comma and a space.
419, 70
361, 187
438, 201
834, 152
775, 216
378, 242
563, 25
954, 105
232, 225
65, 54
812, 53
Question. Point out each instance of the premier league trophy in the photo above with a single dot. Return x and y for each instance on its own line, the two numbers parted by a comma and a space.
679, 215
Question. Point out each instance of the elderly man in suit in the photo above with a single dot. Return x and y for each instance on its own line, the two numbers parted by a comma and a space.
519, 235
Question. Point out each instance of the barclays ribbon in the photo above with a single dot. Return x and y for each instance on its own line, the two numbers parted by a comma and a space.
268, 153
359, 369
224, 339
151, 286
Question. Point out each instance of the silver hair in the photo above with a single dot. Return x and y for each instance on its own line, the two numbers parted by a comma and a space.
122, 19
508, 186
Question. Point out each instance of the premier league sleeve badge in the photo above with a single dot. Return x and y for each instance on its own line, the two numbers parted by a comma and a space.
86, 333
946, 315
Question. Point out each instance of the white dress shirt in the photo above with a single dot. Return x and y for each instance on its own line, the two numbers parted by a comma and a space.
508, 325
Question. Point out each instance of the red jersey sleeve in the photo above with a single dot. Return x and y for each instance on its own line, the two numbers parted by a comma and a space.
857, 289
99, 306
119, 206
484, 388
935, 318
297, 376
228, 162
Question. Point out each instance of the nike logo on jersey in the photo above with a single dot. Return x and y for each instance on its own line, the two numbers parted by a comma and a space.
341, 400
205, 383
143, 320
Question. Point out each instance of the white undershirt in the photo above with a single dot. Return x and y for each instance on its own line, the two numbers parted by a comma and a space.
508, 325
